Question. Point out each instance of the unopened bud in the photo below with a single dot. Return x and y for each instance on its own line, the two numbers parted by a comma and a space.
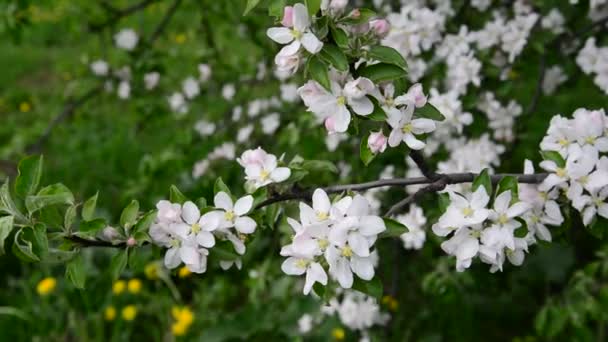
131, 242
377, 142
381, 27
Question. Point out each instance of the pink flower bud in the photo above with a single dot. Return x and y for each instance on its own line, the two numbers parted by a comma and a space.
330, 124
360, 29
131, 242
109, 233
377, 142
416, 95
355, 14
380, 27
287, 16
338, 5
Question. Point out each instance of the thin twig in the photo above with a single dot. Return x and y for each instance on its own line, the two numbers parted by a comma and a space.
83, 242
164, 22
426, 170
117, 14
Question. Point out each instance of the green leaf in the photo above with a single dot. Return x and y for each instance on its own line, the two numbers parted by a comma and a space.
275, 9
332, 55
388, 55
55, 194
554, 156
382, 72
6, 226
340, 37
483, 179
364, 16
118, 263
319, 289
318, 71
144, 223
378, 114
75, 272
10, 311
319, 166
313, 6
394, 228
92, 226
221, 186
24, 249
259, 196
371, 288
430, 112
129, 214
176, 196
444, 202
88, 208
509, 183
69, 218
251, 4
365, 153
224, 251
272, 214
598, 227
6, 202
321, 27
30, 172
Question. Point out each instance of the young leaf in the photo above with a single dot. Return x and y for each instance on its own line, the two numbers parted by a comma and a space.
69, 218
75, 272
30, 172
554, 156
340, 37
176, 196
331, 54
508, 183
92, 226
483, 179
275, 9
51, 195
118, 263
251, 4
319, 166
430, 112
382, 72
6, 226
371, 288
23, 249
88, 208
221, 186
363, 16
6, 202
393, 228
318, 71
129, 214
144, 223
365, 153
313, 6
388, 55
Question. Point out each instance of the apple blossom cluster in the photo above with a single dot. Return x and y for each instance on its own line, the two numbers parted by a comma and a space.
261, 169
123, 77
575, 155
501, 119
226, 151
593, 60
478, 230
335, 238
355, 310
189, 234
191, 88
414, 220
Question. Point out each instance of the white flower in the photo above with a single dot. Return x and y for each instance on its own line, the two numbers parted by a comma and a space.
261, 168
405, 129
299, 35
190, 87
231, 215
270, 123
124, 90
228, 91
126, 39
305, 324
204, 128
100, 68
414, 220
298, 266
463, 211
204, 71
178, 103
464, 245
151, 80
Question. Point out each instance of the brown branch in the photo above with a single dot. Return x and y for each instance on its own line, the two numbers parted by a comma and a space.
83, 242
426, 170
164, 22
117, 14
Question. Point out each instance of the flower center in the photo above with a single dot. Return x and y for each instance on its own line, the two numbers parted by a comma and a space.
323, 243
196, 228
475, 234
175, 243
590, 140
598, 202
389, 101
346, 251
322, 216
502, 219
302, 263
535, 219
467, 212
296, 34
407, 128
229, 215
560, 172
341, 100
264, 175
544, 195
563, 142
583, 179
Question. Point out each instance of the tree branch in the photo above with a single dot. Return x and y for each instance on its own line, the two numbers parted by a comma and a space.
426, 170
83, 242
164, 22
117, 14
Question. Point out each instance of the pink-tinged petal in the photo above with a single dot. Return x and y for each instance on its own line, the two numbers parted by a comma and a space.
190, 213
281, 35
223, 201
245, 225
280, 174
395, 138
413, 143
290, 266
361, 106
341, 119
205, 239
243, 205
320, 201
291, 49
301, 20
363, 267
311, 43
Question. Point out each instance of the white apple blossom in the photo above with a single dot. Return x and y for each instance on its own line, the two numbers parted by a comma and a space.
298, 34
231, 214
126, 39
414, 220
262, 168
100, 68
151, 80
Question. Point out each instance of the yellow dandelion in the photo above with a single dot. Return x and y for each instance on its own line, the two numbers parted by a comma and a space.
109, 313
151, 271
183, 272
25, 107
180, 38
179, 329
134, 285
46, 286
338, 334
390, 302
183, 317
118, 287
129, 312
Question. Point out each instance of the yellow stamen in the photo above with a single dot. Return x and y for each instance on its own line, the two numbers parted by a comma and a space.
346, 251
407, 128
229, 215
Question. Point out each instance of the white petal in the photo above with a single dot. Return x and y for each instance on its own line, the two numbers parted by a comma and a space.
363, 267
413, 143
222, 200
517, 209
395, 138
245, 225
502, 201
281, 35
211, 220
190, 213
289, 266
342, 273
341, 119
205, 239
291, 49
243, 205
311, 43
172, 259
280, 174
358, 244
371, 225
189, 255
361, 106
315, 273
420, 126
301, 20
320, 201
